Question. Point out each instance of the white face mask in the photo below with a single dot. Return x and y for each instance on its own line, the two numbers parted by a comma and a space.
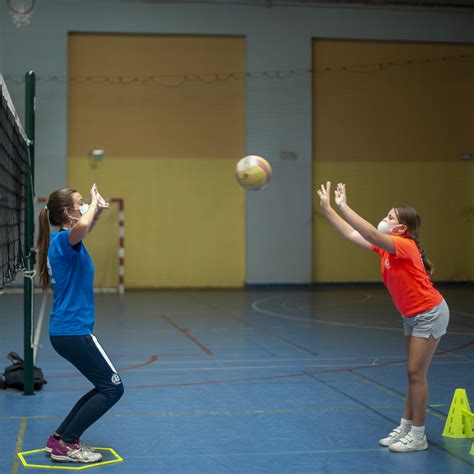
386, 228
82, 210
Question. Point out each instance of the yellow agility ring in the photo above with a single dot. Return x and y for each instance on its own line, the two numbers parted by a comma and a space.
25, 463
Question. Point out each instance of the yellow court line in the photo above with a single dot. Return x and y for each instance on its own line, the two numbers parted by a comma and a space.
33, 417
19, 444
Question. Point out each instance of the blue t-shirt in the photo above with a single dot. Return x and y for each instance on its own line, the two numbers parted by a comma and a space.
72, 279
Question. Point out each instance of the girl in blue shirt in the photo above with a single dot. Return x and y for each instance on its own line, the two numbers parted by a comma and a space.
66, 267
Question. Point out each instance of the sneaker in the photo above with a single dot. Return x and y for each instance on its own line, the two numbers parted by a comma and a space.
84, 446
73, 453
409, 443
52, 442
393, 436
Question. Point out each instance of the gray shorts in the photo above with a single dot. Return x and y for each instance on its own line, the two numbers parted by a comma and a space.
430, 323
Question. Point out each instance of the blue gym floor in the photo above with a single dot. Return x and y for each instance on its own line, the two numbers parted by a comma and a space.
258, 380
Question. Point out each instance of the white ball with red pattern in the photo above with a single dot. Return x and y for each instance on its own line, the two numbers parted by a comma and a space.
253, 172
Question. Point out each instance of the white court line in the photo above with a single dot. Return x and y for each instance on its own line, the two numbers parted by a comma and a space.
325, 367
39, 326
300, 367
274, 314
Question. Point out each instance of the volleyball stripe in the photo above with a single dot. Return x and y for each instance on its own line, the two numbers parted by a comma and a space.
253, 172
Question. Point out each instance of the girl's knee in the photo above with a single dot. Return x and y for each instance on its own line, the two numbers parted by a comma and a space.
114, 392
118, 392
416, 375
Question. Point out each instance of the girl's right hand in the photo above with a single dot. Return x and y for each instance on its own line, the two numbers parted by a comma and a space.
99, 200
324, 195
94, 193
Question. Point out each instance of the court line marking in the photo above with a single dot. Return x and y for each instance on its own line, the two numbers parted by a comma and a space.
152, 359
429, 409
288, 376
257, 309
227, 381
261, 367
186, 333
247, 326
395, 422
19, 445
188, 364
275, 453
295, 410
39, 326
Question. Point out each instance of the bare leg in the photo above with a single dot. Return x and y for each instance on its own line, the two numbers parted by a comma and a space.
407, 411
420, 353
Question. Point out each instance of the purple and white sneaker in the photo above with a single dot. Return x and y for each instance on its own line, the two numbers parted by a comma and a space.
73, 453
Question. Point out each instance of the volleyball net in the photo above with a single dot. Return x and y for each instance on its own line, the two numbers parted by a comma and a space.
14, 176
17, 253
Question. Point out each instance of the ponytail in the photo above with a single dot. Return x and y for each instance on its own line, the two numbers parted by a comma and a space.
53, 213
42, 246
410, 217
429, 267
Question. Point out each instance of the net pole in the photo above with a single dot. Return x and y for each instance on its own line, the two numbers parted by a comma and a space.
30, 99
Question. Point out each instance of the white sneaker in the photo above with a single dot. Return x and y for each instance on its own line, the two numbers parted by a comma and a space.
393, 436
73, 453
409, 443
85, 447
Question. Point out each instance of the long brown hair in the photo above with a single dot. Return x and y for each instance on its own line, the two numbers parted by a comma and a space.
410, 217
52, 214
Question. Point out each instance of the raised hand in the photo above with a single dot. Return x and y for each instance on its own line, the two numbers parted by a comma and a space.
101, 202
324, 195
94, 194
340, 195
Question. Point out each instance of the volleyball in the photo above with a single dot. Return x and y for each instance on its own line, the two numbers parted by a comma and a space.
253, 172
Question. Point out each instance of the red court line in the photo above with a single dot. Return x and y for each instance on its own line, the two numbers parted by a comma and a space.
186, 333
152, 359
279, 377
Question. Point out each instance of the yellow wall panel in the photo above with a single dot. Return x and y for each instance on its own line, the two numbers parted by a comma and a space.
170, 149
443, 195
169, 115
137, 95
372, 104
184, 221
390, 120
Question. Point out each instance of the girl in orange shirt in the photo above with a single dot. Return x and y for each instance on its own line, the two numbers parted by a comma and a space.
406, 273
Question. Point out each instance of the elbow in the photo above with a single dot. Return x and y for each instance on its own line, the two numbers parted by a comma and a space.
371, 236
81, 230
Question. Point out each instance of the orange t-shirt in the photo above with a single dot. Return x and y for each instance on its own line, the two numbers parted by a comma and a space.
406, 279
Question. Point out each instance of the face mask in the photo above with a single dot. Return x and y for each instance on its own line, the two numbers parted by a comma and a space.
385, 228
82, 210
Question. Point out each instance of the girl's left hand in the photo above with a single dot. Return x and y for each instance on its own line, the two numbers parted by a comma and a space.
340, 195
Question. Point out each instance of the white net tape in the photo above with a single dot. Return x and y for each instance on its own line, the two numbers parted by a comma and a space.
6, 94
